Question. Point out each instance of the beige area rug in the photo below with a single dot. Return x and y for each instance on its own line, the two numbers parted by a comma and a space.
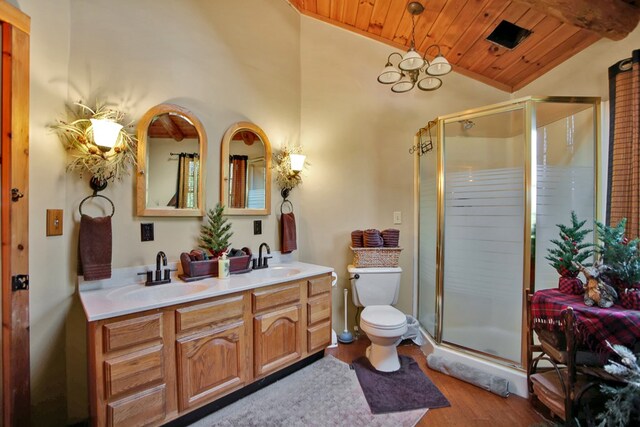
325, 393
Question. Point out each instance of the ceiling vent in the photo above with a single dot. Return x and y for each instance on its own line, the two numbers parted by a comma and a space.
508, 35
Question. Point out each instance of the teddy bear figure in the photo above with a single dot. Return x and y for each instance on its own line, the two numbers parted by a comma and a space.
597, 292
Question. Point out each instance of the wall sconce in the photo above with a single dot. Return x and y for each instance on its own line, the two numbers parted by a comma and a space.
98, 143
105, 133
288, 164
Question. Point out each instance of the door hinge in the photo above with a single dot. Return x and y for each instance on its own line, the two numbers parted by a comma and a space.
20, 282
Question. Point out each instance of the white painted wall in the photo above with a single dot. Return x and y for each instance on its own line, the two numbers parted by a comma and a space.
356, 134
226, 61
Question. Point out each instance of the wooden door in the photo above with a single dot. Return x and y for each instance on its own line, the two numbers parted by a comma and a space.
14, 217
277, 339
210, 365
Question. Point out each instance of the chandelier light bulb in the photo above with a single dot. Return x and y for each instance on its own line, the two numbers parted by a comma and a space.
389, 75
411, 61
439, 66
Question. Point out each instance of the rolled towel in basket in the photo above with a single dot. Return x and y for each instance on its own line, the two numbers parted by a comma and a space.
357, 239
391, 238
372, 239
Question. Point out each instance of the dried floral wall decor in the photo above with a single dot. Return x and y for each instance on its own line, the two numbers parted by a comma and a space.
76, 133
285, 177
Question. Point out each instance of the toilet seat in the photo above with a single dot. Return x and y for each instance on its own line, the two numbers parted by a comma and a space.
383, 321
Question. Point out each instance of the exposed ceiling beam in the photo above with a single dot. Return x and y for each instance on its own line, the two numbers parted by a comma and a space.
170, 127
613, 19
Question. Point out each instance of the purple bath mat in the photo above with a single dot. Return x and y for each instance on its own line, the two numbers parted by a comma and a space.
403, 390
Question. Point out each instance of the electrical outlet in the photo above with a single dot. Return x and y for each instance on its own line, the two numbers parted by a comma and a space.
257, 226
146, 232
397, 217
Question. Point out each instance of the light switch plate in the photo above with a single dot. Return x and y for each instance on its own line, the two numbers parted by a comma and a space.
257, 227
54, 222
397, 217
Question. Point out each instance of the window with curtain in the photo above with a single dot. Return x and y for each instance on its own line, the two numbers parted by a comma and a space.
188, 172
238, 176
624, 144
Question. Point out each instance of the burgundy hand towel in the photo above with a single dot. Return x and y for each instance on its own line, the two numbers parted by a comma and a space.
288, 233
94, 247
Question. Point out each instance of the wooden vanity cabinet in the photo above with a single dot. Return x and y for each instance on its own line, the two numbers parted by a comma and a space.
277, 334
318, 313
131, 370
151, 367
212, 354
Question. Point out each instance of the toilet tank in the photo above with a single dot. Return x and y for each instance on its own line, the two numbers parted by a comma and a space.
375, 286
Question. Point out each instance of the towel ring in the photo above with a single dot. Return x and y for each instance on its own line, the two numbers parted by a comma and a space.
282, 206
113, 208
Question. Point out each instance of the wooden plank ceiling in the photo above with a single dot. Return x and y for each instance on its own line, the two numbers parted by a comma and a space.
460, 28
172, 126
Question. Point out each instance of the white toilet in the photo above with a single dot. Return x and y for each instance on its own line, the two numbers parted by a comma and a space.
376, 289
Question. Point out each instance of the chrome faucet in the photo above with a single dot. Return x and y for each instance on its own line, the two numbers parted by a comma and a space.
261, 262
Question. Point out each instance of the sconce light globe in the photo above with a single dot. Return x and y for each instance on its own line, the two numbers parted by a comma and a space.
297, 162
105, 132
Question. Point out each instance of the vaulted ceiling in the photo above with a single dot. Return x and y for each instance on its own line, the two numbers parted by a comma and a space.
559, 30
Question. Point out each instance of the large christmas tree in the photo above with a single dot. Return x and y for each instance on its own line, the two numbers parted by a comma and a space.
570, 248
215, 235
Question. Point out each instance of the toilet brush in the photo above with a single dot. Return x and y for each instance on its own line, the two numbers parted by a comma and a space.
345, 336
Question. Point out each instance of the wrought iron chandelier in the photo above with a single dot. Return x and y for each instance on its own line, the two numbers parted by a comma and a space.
415, 70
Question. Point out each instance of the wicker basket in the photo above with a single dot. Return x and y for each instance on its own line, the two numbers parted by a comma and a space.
376, 257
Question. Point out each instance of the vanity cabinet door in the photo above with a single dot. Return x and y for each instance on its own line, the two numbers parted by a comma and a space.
277, 339
210, 364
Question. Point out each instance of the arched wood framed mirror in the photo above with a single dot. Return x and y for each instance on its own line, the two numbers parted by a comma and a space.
172, 153
245, 170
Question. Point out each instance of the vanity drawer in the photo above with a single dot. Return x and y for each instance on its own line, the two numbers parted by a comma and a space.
145, 408
125, 374
319, 285
318, 337
318, 309
132, 332
276, 296
210, 313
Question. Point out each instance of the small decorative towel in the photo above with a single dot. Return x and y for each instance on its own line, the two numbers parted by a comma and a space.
94, 247
288, 233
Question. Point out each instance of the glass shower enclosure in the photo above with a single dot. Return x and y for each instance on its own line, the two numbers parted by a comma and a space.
491, 191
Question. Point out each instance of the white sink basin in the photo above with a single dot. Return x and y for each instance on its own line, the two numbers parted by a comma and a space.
279, 271
157, 292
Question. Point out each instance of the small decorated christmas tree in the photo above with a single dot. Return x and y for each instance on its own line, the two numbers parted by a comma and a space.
215, 235
619, 254
570, 248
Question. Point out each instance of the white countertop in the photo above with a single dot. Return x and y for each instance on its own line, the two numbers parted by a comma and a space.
122, 295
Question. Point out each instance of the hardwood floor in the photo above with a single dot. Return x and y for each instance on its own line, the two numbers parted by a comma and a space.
470, 405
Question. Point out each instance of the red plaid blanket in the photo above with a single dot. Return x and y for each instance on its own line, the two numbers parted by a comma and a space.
594, 325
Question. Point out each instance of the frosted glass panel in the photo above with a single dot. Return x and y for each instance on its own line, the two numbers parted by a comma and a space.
427, 242
484, 234
565, 177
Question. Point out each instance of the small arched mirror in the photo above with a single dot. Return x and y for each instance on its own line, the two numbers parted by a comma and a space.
245, 170
172, 149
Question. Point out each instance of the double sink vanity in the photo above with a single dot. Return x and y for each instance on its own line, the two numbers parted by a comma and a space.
159, 352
